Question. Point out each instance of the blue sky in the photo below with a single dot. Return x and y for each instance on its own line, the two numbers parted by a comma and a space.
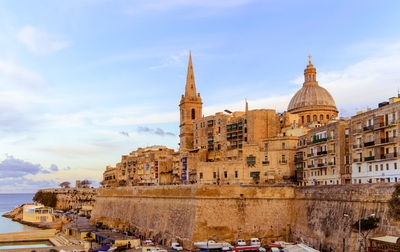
83, 82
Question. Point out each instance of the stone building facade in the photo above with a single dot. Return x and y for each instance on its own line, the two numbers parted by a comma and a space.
154, 165
375, 144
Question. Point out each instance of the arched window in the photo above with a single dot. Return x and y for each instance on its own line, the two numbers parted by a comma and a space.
193, 114
321, 117
315, 118
327, 117
308, 118
302, 119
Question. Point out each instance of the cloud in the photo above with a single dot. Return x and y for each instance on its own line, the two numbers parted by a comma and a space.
54, 167
40, 42
25, 185
157, 131
124, 133
15, 168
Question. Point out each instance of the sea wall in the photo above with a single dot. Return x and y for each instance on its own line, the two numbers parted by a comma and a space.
73, 198
191, 213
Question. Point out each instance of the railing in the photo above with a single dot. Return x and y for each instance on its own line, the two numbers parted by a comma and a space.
265, 162
320, 140
356, 146
369, 158
332, 163
357, 160
367, 128
322, 152
357, 131
310, 154
389, 155
322, 165
311, 166
385, 124
331, 151
387, 140
371, 143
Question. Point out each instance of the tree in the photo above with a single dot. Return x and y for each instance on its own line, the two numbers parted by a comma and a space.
85, 183
46, 198
65, 184
394, 203
365, 226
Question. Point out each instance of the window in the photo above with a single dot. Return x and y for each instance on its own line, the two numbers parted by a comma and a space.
193, 114
327, 117
236, 174
381, 167
376, 167
225, 174
302, 119
201, 175
359, 169
315, 118
321, 117
214, 175
387, 166
283, 145
370, 168
395, 166
308, 118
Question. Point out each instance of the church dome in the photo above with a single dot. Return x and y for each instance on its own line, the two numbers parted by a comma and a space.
311, 96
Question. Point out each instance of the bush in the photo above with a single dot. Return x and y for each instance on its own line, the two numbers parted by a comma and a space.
46, 198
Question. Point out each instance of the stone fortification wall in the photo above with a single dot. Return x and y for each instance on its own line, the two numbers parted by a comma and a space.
318, 214
73, 198
195, 212
314, 215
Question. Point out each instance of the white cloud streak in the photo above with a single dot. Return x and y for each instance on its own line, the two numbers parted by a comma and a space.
40, 42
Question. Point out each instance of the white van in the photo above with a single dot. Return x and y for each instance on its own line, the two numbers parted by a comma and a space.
255, 242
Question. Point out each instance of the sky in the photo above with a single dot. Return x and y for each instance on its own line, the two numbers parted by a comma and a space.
83, 82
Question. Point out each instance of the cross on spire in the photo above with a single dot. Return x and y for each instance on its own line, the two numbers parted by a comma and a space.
309, 59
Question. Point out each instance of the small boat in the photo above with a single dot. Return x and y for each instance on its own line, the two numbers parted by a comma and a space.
210, 244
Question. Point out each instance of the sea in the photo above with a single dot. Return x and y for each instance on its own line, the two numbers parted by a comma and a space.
7, 203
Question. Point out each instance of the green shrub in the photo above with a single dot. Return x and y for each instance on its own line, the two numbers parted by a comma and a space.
46, 198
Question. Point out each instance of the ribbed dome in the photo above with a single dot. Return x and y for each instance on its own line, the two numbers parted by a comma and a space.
311, 97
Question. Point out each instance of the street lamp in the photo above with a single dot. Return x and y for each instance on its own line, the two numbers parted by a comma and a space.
344, 238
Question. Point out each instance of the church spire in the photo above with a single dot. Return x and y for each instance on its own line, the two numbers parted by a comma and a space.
310, 73
190, 90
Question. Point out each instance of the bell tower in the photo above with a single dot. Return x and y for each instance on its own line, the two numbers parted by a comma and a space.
190, 109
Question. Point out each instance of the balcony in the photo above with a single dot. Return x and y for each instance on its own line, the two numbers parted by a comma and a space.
389, 155
388, 140
331, 151
282, 161
369, 158
311, 166
322, 152
320, 140
310, 155
368, 128
332, 163
381, 125
371, 143
322, 165
357, 146
357, 160
265, 162
357, 131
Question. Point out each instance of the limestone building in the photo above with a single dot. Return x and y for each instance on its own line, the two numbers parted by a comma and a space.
323, 156
152, 165
250, 146
375, 144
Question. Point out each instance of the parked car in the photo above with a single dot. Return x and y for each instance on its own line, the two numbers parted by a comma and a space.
149, 242
176, 246
255, 242
241, 242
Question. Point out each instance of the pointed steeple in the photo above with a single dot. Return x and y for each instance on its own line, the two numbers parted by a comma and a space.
190, 90
310, 74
